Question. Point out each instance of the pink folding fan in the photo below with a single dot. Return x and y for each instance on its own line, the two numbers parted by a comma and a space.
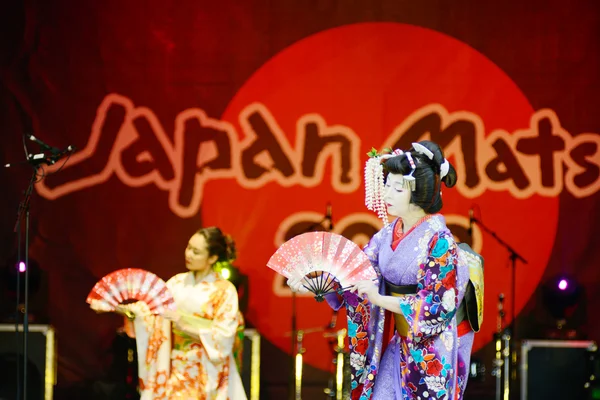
326, 262
130, 284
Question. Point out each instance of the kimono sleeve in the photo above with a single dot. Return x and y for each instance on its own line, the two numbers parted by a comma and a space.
431, 310
218, 339
335, 300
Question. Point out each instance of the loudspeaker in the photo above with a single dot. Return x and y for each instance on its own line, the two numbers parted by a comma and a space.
555, 369
251, 364
41, 361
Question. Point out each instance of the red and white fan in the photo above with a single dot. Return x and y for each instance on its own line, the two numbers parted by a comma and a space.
328, 258
131, 284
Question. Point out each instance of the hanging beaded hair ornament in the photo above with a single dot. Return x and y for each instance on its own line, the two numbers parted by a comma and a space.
374, 185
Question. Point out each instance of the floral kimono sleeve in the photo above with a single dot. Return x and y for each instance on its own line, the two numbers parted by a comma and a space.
431, 310
219, 338
335, 300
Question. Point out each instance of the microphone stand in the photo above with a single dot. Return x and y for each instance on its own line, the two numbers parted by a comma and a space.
294, 392
512, 329
23, 211
34, 160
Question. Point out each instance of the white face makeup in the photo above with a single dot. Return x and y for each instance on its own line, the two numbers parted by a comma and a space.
397, 195
196, 254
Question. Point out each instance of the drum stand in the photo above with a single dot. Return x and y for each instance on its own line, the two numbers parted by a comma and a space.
298, 361
510, 335
501, 362
336, 388
297, 335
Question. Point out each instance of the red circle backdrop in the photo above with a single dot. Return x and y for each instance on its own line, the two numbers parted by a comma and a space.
370, 77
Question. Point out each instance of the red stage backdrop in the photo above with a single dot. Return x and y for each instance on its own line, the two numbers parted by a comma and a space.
254, 117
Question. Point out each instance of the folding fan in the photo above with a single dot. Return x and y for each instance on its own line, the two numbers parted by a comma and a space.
328, 258
130, 284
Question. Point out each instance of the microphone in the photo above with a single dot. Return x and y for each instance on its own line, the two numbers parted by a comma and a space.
471, 219
42, 158
43, 145
32, 159
60, 154
328, 216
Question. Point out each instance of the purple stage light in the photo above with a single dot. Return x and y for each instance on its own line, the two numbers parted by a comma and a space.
22, 267
563, 284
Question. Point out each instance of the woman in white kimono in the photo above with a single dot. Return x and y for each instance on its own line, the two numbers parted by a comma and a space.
188, 353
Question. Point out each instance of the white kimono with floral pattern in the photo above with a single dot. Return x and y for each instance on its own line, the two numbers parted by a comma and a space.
174, 365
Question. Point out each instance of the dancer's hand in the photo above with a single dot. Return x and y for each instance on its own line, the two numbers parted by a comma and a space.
179, 323
369, 289
124, 310
296, 285
171, 315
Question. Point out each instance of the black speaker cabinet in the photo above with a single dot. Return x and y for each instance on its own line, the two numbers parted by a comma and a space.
41, 363
555, 369
251, 364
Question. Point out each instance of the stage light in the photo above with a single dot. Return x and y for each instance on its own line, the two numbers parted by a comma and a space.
560, 294
562, 297
226, 273
563, 284
224, 269
230, 272
13, 273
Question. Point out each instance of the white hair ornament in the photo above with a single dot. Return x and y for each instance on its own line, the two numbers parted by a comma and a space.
374, 188
374, 185
444, 167
419, 148
410, 179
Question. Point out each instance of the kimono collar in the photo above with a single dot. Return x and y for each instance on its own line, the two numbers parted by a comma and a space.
399, 235
212, 276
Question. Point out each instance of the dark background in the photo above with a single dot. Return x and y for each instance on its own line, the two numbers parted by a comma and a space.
59, 59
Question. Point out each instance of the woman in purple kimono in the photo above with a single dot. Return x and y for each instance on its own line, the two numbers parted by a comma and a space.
423, 276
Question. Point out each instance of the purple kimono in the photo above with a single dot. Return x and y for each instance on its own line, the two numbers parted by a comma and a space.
431, 362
